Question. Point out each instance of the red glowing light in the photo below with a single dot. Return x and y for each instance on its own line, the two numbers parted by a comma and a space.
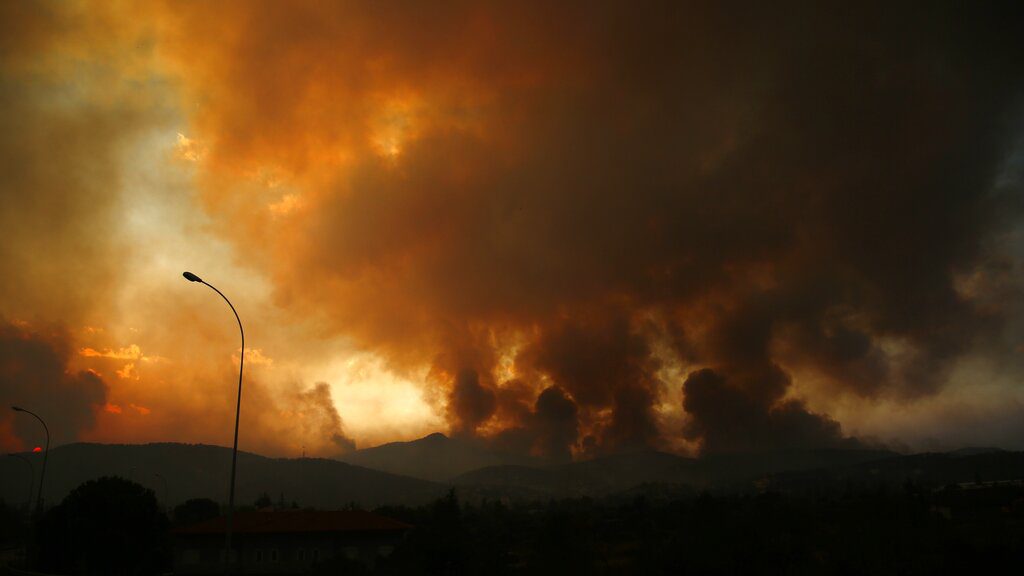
37, 449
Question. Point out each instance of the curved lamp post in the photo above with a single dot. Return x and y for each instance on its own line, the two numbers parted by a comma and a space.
31, 475
46, 453
238, 405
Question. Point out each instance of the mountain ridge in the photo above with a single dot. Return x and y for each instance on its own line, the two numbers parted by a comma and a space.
435, 457
203, 470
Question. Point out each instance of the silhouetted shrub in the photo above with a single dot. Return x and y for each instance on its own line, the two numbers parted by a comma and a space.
902, 531
110, 526
194, 511
12, 524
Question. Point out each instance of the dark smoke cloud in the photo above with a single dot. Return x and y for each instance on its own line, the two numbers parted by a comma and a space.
555, 424
782, 189
34, 375
602, 362
320, 416
549, 430
469, 404
726, 418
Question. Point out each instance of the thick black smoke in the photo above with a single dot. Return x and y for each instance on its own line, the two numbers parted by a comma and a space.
782, 190
470, 403
727, 418
317, 408
34, 375
547, 431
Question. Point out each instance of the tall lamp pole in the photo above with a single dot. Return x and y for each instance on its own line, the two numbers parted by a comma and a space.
31, 475
238, 406
46, 453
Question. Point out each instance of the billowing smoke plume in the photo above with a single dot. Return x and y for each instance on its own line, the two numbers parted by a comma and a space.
565, 214
470, 403
320, 417
547, 431
34, 375
557, 206
728, 417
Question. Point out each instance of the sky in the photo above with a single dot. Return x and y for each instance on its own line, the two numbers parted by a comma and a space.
555, 228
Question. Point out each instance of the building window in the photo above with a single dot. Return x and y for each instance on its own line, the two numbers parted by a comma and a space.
274, 556
301, 554
258, 556
316, 555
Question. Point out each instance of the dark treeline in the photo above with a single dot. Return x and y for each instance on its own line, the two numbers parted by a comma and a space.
905, 530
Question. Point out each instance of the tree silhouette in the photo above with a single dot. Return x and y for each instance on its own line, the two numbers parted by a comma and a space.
263, 501
12, 527
109, 526
194, 511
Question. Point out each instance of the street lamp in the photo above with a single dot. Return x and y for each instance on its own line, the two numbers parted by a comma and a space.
238, 406
31, 475
46, 453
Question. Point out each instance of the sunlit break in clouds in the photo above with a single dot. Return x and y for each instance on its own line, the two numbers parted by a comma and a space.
559, 229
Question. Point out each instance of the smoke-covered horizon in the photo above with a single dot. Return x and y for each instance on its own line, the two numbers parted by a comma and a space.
563, 229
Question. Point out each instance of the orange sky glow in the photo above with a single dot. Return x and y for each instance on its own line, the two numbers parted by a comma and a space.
563, 235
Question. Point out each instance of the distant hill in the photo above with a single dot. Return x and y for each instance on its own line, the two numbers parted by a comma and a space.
203, 471
595, 478
648, 472
930, 470
738, 469
974, 450
435, 457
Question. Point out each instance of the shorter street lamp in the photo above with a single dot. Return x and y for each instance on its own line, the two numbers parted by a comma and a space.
46, 454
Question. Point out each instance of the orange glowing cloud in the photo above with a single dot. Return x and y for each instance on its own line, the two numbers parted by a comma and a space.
605, 194
128, 372
254, 357
562, 229
132, 352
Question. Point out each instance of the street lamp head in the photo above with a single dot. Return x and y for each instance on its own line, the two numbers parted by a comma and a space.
16, 409
191, 277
